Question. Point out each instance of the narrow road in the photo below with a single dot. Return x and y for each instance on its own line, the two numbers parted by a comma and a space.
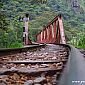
74, 73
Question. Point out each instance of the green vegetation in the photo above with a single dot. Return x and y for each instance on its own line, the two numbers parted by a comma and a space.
40, 13
78, 41
3, 19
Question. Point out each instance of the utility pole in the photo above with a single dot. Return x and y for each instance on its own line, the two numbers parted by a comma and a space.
25, 29
26, 40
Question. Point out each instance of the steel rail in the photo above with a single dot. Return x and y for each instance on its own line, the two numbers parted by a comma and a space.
9, 51
18, 50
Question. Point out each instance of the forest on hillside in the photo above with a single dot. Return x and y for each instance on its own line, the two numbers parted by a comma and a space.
40, 13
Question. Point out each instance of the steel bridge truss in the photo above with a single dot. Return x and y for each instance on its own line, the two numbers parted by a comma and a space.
53, 32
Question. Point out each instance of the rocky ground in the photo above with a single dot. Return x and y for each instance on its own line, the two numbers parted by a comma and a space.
82, 51
37, 73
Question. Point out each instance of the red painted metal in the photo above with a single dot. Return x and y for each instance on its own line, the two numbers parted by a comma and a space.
50, 34
61, 28
45, 34
55, 29
53, 32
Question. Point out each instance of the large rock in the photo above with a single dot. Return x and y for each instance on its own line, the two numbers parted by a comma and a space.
29, 82
3, 82
39, 80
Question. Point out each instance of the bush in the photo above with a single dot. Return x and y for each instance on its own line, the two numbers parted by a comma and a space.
15, 45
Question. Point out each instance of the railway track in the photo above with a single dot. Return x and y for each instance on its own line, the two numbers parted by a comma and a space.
36, 66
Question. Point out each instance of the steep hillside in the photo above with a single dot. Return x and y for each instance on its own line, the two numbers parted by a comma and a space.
42, 11
72, 10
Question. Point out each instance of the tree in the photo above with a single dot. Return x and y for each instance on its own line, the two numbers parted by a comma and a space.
3, 19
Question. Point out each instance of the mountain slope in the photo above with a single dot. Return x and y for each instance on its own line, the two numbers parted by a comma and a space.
73, 13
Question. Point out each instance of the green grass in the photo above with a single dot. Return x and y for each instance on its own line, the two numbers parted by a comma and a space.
80, 47
15, 45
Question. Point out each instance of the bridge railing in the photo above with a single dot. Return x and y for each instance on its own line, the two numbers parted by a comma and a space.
53, 32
